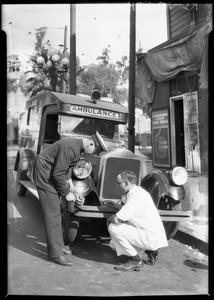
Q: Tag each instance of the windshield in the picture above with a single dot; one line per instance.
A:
(112, 133)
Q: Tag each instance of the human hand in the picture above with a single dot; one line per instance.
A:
(79, 200)
(114, 205)
(70, 197)
(111, 203)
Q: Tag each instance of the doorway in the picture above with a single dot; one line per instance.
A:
(185, 132)
(179, 133)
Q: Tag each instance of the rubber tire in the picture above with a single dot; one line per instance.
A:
(170, 227)
(21, 175)
(73, 228)
(70, 225)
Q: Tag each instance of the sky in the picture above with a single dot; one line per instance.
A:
(97, 27)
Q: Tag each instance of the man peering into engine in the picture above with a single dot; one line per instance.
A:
(51, 176)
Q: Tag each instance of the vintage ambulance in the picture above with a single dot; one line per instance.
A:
(51, 116)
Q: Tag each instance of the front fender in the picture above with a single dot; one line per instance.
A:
(25, 158)
(156, 184)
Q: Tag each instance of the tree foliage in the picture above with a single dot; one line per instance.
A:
(100, 77)
(46, 79)
(35, 81)
(123, 68)
(12, 85)
(106, 77)
(120, 95)
(105, 58)
(40, 46)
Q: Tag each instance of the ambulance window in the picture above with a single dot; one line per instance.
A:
(51, 133)
(30, 110)
(28, 115)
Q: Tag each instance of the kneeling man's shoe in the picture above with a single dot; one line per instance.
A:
(61, 260)
(130, 265)
(66, 251)
(153, 256)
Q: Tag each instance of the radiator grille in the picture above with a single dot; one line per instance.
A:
(109, 189)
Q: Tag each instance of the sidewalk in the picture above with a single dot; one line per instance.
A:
(192, 232)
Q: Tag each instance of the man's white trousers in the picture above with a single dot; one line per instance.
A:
(129, 240)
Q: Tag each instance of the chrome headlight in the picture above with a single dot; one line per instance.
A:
(82, 169)
(179, 175)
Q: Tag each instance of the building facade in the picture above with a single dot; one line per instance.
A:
(13, 67)
(174, 78)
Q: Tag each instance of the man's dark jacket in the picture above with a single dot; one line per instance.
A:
(52, 165)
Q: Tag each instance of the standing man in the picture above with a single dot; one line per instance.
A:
(136, 226)
(51, 176)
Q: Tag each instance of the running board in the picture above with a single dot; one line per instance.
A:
(88, 211)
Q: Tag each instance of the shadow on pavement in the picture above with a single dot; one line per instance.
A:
(92, 243)
(26, 231)
(25, 239)
(195, 264)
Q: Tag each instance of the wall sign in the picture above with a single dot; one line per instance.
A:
(160, 138)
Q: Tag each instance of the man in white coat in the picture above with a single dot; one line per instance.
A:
(136, 226)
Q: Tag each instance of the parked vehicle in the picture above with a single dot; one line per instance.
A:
(51, 116)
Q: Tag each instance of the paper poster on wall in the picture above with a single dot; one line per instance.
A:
(160, 138)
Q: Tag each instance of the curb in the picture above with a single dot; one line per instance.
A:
(192, 241)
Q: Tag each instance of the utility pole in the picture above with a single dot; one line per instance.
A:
(72, 49)
(65, 37)
(65, 46)
(131, 123)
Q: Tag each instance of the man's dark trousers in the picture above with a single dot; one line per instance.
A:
(50, 204)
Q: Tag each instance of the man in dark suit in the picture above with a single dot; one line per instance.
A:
(51, 174)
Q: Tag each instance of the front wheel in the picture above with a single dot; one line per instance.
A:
(73, 228)
(70, 224)
(170, 227)
(20, 175)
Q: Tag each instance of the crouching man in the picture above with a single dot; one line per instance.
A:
(137, 226)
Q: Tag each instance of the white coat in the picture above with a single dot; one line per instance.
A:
(141, 226)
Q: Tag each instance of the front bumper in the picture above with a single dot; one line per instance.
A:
(88, 211)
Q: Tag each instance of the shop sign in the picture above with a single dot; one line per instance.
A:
(160, 138)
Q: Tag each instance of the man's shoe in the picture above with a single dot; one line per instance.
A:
(61, 260)
(130, 265)
(153, 256)
(123, 259)
(66, 251)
